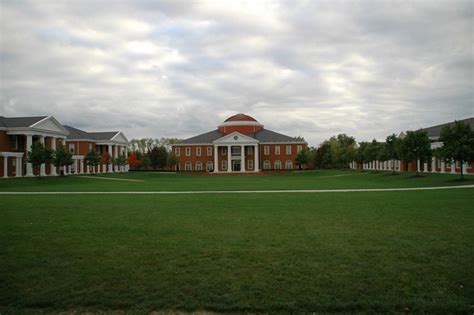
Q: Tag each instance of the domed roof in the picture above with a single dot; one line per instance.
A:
(240, 117)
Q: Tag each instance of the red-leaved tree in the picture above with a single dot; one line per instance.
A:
(132, 160)
(105, 158)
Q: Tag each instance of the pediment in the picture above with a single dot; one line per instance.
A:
(49, 124)
(120, 137)
(235, 137)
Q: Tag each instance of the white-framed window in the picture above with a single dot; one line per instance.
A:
(288, 150)
(224, 165)
(277, 150)
(288, 165)
(14, 143)
(188, 167)
(266, 165)
(250, 164)
(198, 151)
(198, 166)
(224, 150)
(188, 151)
(266, 150)
(90, 146)
(235, 151)
(71, 148)
(299, 147)
(177, 151)
(209, 166)
(277, 165)
(209, 151)
(250, 150)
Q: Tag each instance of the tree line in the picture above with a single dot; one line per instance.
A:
(338, 151)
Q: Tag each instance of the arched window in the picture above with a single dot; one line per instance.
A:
(209, 166)
(288, 165)
(277, 165)
(266, 165)
(198, 166)
(188, 166)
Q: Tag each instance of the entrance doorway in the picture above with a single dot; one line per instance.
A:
(236, 166)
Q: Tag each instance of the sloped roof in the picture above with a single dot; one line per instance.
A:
(207, 137)
(19, 122)
(435, 131)
(75, 133)
(106, 135)
(263, 136)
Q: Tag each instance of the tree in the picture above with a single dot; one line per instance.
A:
(133, 160)
(303, 157)
(360, 155)
(322, 156)
(342, 149)
(172, 160)
(121, 160)
(39, 154)
(92, 159)
(62, 157)
(416, 145)
(391, 149)
(458, 143)
(105, 159)
(145, 162)
(158, 157)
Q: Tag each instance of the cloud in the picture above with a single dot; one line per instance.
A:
(178, 68)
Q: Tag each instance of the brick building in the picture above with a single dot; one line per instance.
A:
(239, 144)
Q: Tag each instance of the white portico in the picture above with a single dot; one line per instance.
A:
(234, 159)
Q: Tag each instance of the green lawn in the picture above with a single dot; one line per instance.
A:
(338, 252)
(321, 179)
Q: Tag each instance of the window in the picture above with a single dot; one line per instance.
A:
(299, 148)
(288, 150)
(14, 143)
(188, 167)
(277, 150)
(250, 150)
(209, 166)
(277, 165)
(198, 166)
(266, 150)
(224, 165)
(188, 151)
(90, 146)
(266, 165)
(177, 151)
(224, 150)
(288, 165)
(71, 148)
(235, 151)
(209, 151)
(250, 164)
(198, 151)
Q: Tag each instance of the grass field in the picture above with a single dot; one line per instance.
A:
(338, 252)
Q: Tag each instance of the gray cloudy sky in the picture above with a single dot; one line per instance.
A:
(178, 68)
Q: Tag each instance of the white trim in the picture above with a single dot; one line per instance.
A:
(54, 120)
(123, 135)
(240, 123)
(229, 139)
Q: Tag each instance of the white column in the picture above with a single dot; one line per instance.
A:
(425, 167)
(104, 168)
(53, 167)
(242, 158)
(19, 168)
(216, 159)
(453, 167)
(229, 166)
(111, 153)
(433, 165)
(418, 167)
(126, 156)
(29, 167)
(65, 170)
(98, 168)
(115, 148)
(443, 166)
(43, 166)
(256, 162)
(5, 167)
(69, 169)
(81, 166)
(464, 168)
